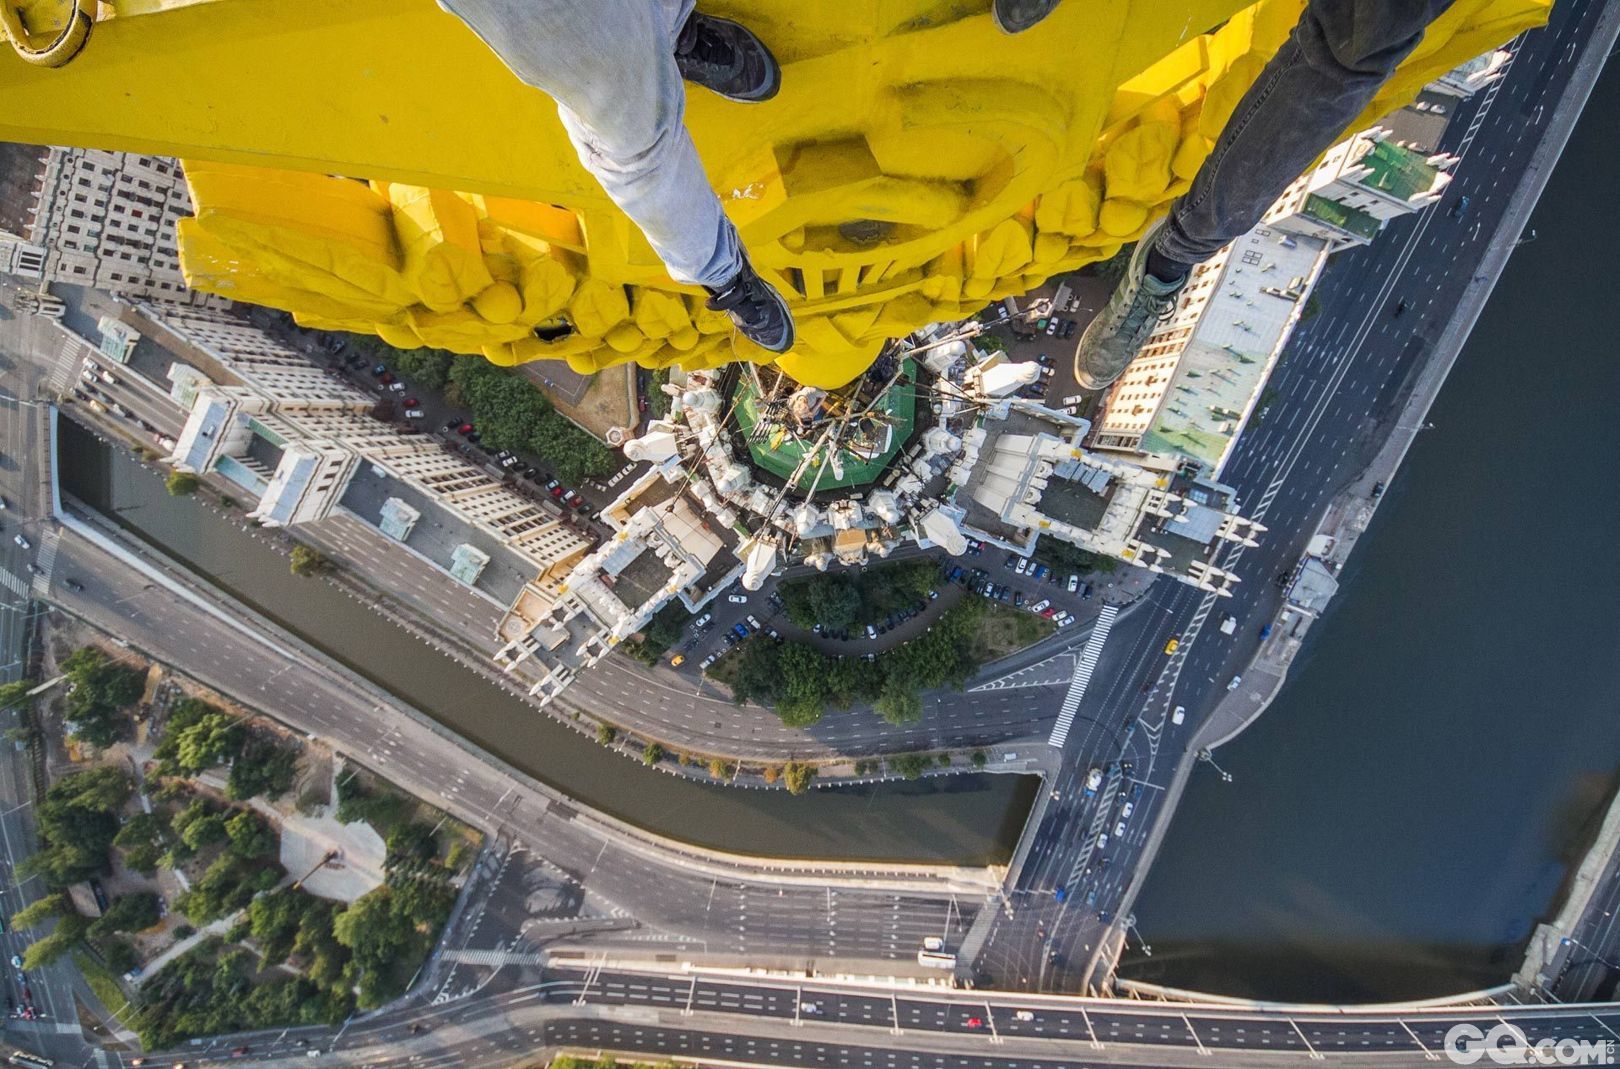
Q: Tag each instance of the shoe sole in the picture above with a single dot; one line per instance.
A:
(773, 84)
(1081, 379)
(1014, 31)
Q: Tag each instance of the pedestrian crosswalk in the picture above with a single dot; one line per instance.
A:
(68, 357)
(1084, 666)
(47, 560)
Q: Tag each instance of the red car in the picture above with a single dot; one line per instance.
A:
(410, 402)
(465, 429)
(387, 378)
(555, 488)
(975, 1022)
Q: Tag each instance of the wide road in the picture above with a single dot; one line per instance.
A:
(1338, 388)
(780, 1021)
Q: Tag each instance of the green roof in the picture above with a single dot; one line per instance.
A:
(899, 404)
(1352, 221)
(1398, 171)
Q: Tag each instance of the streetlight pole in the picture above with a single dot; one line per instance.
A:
(1130, 926)
(1209, 758)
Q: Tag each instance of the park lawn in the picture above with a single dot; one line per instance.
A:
(1004, 629)
(104, 985)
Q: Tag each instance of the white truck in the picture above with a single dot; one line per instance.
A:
(1228, 624)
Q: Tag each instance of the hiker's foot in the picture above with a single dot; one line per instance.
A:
(726, 57)
(1140, 303)
(756, 308)
(1016, 16)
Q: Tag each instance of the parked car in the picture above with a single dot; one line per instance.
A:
(1040, 606)
(753, 622)
(1022, 566)
(396, 387)
(23, 542)
(1237, 681)
(555, 488)
(386, 378)
(737, 599)
(465, 429)
(1074, 583)
(411, 402)
(703, 621)
(739, 630)
(414, 413)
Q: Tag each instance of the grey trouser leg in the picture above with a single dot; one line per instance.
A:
(610, 65)
(1335, 61)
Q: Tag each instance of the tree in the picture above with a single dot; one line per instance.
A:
(119, 955)
(68, 934)
(910, 765)
(181, 483)
(209, 741)
(133, 912)
(274, 919)
(380, 937)
(198, 825)
(719, 769)
(143, 839)
(426, 368)
(41, 910)
(802, 697)
(979, 759)
(101, 688)
(834, 601)
(262, 768)
(899, 703)
(12, 693)
(652, 753)
(251, 836)
(757, 674)
(606, 733)
(77, 822)
(798, 776)
(308, 561)
(412, 841)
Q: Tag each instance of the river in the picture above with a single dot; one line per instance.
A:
(1410, 805)
(969, 819)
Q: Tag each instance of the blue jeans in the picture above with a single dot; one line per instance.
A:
(610, 66)
(1332, 65)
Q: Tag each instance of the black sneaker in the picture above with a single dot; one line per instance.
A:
(1016, 16)
(722, 55)
(757, 309)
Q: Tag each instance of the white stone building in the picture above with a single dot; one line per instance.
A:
(95, 218)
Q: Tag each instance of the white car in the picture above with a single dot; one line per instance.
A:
(1041, 606)
(23, 542)
(1119, 829)
(737, 599)
(1237, 681)
(1074, 398)
(704, 667)
(753, 623)
(1094, 779)
(871, 632)
(108, 378)
(413, 413)
(2, 504)
(1179, 715)
(1126, 810)
(397, 387)
(1022, 566)
(702, 621)
(1066, 621)
(1074, 583)
(1102, 841)
(1024, 1015)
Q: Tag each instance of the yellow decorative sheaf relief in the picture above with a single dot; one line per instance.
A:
(916, 166)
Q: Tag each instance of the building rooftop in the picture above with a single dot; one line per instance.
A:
(1218, 380)
(20, 167)
(1400, 172)
(1352, 221)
